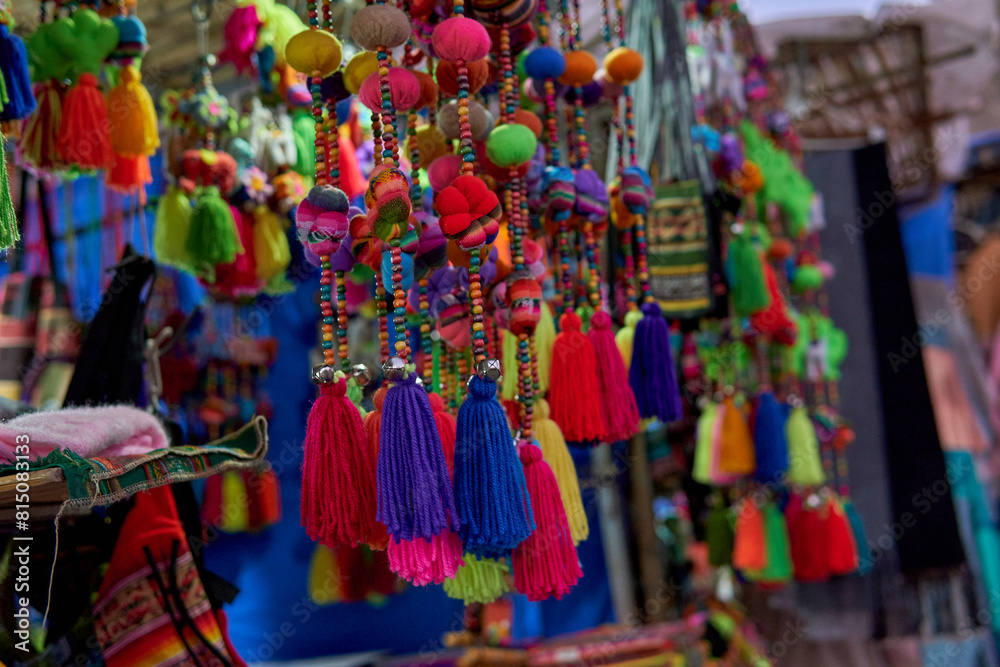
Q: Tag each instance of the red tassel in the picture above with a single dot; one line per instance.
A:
(447, 429)
(352, 570)
(574, 397)
(749, 545)
(130, 175)
(807, 537)
(545, 564)
(379, 538)
(621, 414)
(842, 550)
(263, 498)
(773, 320)
(83, 131)
(338, 472)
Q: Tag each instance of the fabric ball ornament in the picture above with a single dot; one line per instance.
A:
(358, 68)
(461, 257)
(591, 195)
(528, 120)
(623, 65)
(469, 212)
(447, 76)
(406, 261)
(637, 189)
(431, 143)
(380, 25)
(560, 186)
(428, 96)
(321, 219)
(460, 38)
(333, 87)
(545, 63)
(443, 171)
(388, 202)
(480, 120)
(581, 67)
(314, 52)
(131, 38)
(511, 145)
(590, 94)
(431, 250)
(512, 12)
(403, 86)
(529, 91)
(610, 88)
(523, 298)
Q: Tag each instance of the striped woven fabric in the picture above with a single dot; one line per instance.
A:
(678, 250)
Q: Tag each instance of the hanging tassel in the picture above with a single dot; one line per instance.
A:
(338, 472)
(379, 538)
(747, 287)
(173, 224)
(490, 491)
(749, 547)
(324, 576)
(736, 455)
(14, 68)
(621, 415)
(545, 340)
(235, 513)
(447, 428)
(383, 581)
(779, 560)
(511, 366)
(83, 129)
(557, 455)
(129, 175)
(807, 537)
(719, 535)
(770, 440)
(574, 396)
(773, 321)
(478, 580)
(805, 467)
(264, 498)
(545, 564)
(212, 238)
(425, 562)
(652, 374)
(351, 573)
(841, 549)
(860, 538)
(41, 130)
(9, 234)
(625, 338)
(271, 251)
(414, 491)
(702, 466)
(132, 116)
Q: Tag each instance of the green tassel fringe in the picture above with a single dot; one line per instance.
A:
(477, 580)
(9, 234)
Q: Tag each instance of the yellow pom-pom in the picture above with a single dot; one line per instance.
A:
(314, 52)
(431, 143)
(623, 65)
(358, 68)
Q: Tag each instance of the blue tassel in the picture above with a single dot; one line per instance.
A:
(415, 497)
(14, 65)
(770, 441)
(490, 492)
(858, 528)
(653, 376)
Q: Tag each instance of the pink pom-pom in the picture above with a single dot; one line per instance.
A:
(403, 85)
(461, 38)
(443, 171)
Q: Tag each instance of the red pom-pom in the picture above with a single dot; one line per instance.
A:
(404, 86)
(461, 38)
(468, 212)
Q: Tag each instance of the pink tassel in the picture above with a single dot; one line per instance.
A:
(621, 414)
(338, 472)
(447, 429)
(426, 562)
(545, 564)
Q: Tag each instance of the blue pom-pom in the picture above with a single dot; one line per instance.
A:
(545, 63)
(490, 492)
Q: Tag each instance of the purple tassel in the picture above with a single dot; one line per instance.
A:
(415, 498)
(653, 376)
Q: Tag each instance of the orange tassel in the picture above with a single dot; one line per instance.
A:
(749, 551)
(736, 454)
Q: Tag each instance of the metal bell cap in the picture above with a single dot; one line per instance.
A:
(489, 369)
(394, 368)
(324, 374)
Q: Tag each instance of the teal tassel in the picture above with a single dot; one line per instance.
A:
(858, 528)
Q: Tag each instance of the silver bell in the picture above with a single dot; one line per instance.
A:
(394, 368)
(361, 373)
(489, 369)
(323, 374)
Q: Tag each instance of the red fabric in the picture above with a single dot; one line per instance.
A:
(468, 212)
(574, 395)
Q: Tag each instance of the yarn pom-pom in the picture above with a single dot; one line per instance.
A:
(404, 86)
(443, 171)
(511, 145)
(581, 67)
(460, 38)
(314, 52)
(623, 65)
(358, 68)
(529, 120)
(545, 63)
(380, 25)
(477, 72)
(480, 120)
(469, 212)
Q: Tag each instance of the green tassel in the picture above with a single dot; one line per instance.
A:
(9, 234)
(779, 558)
(173, 224)
(747, 286)
(805, 467)
(702, 472)
(719, 533)
(304, 131)
(477, 580)
(356, 394)
(511, 367)
(212, 239)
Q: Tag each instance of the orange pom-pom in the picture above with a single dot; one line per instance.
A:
(581, 67)
(780, 250)
(623, 65)
(460, 257)
(447, 76)
(530, 121)
(428, 91)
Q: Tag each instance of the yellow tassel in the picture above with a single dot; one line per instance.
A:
(626, 335)
(324, 576)
(270, 245)
(545, 339)
(736, 454)
(556, 454)
(173, 220)
(511, 366)
(235, 513)
(132, 116)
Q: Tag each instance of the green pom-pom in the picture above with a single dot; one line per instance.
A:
(807, 277)
(746, 277)
(510, 145)
(478, 580)
(212, 239)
